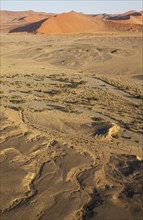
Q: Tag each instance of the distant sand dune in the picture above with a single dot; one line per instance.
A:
(131, 17)
(70, 22)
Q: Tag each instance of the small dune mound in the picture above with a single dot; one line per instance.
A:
(105, 129)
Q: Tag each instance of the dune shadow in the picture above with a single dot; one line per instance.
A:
(29, 27)
(126, 17)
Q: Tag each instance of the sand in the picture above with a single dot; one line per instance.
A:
(71, 127)
(70, 22)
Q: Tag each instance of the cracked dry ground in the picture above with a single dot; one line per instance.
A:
(71, 143)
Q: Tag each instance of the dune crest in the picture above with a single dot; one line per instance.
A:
(70, 22)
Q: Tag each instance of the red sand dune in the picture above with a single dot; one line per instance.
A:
(71, 22)
(131, 17)
(22, 16)
(11, 16)
(74, 22)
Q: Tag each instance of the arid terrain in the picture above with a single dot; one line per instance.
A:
(71, 126)
(70, 22)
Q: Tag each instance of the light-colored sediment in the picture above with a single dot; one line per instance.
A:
(71, 128)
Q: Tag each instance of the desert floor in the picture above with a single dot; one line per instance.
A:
(71, 127)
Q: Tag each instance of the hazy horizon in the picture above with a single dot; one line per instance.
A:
(83, 6)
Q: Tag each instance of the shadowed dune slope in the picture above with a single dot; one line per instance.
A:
(32, 27)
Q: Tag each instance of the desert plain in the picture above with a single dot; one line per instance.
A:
(71, 126)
